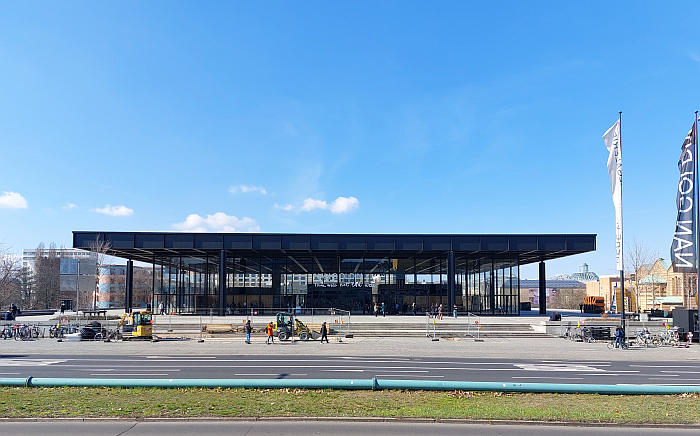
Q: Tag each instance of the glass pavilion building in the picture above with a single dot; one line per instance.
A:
(195, 272)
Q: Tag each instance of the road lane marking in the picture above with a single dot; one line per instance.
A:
(30, 362)
(401, 375)
(664, 366)
(179, 357)
(132, 375)
(559, 367)
(270, 375)
(558, 378)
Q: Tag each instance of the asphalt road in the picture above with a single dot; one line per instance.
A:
(279, 366)
(324, 427)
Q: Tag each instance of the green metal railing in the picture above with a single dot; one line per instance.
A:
(356, 384)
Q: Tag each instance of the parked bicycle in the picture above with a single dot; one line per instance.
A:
(6, 332)
(108, 335)
(21, 332)
(643, 338)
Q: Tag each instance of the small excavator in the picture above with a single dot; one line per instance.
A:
(283, 328)
(137, 325)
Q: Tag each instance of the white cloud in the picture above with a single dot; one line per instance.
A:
(12, 200)
(339, 205)
(69, 206)
(219, 222)
(287, 207)
(114, 210)
(246, 189)
(311, 204)
(344, 204)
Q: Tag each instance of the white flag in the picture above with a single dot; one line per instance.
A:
(612, 142)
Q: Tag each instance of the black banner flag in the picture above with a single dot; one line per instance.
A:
(683, 250)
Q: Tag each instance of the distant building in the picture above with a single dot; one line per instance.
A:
(29, 255)
(663, 286)
(76, 272)
(562, 292)
(583, 275)
(606, 286)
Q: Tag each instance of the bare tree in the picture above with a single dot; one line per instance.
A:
(102, 250)
(638, 255)
(47, 269)
(9, 277)
(143, 282)
(26, 288)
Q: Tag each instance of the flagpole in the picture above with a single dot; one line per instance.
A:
(622, 249)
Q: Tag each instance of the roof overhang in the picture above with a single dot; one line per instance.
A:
(527, 248)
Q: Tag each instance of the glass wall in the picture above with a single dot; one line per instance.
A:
(191, 284)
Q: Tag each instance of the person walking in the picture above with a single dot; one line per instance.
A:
(619, 333)
(248, 331)
(63, 308)
(440, 311)
(413, 308)
(324, 333)
(270, 338)
(376, 310)
(454, 311)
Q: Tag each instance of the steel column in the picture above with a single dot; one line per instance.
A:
(450, 281)
(222, 282)
(129, 294)
(543, 290)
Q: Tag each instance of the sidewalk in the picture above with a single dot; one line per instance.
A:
(532, 318)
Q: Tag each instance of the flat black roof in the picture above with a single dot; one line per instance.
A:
(528, 248)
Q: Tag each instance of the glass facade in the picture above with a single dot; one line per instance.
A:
(191, 284)
(228, 273)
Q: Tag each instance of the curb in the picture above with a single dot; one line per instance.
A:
(446, 421)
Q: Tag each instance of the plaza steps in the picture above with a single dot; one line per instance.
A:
(387, 329)
(444, 330)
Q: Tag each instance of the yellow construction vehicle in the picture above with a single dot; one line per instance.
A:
(283, 328)
(137, 325)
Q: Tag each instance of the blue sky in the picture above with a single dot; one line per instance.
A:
(344, 117)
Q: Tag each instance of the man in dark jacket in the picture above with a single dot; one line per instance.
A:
(324, 333)
(248, 331)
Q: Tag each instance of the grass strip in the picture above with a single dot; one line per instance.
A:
(20, 402)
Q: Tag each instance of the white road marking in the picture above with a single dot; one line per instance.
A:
(549, 378)
(401, 375)
(180, 357)
(558, 367)
(664, 366)
(131, 375)
(29, 362)
(276, 374)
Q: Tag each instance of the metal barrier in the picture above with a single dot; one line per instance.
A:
(430, 328)
(477, 325)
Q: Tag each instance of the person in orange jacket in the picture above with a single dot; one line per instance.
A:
(270, 338)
